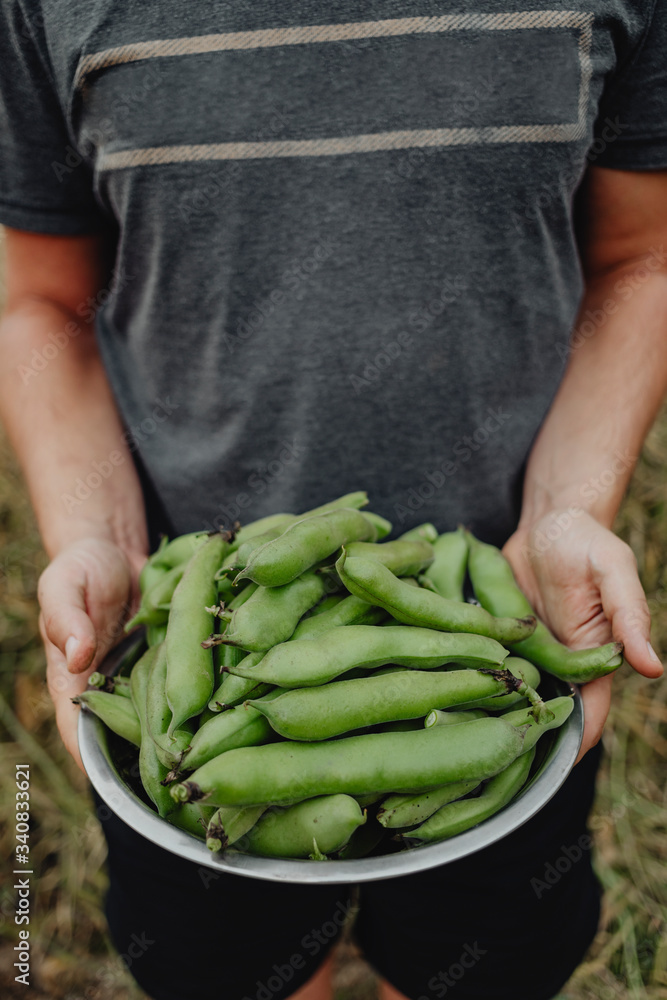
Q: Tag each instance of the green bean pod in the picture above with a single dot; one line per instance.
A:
(168, 747)
(242, 597)
(448, 569)
(399, 811)
(155, 634)
(438, 717)
(524, 669)
(462, 815)
(235, 601)
(233, 690)
(318, 713)
(326, 604)
(248, 545)
(307, 662)
(283, 773)
(115, 711)
(349, 611)
(560, 710)
(151, 771)
(155, 603)
(111, 685)
(180, 550)
(189, 666)
(239, 727)
(497, 591)
(415, 606)
(272, 613)
(363, 842)
(352, 501)
(151, 571)
(305, 543)
(404, 557)
(258, 527)
(328, 820)
(369, 800)
(427, 531)
(229, 823)
(192, 817)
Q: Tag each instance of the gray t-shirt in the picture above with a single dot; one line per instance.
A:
(345, 232)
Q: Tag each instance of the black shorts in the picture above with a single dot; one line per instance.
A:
(515, 918)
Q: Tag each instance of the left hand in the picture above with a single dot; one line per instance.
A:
(582, 581)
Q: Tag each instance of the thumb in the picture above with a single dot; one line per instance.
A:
(64, 619)
(625, 607)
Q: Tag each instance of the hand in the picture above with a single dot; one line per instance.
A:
(85, 594)
(582, 581)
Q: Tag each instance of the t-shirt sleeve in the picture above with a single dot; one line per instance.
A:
(632, 120)
(45, 186)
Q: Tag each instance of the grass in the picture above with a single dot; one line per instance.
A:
(72, 957)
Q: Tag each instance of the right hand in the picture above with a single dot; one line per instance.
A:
(85, 594)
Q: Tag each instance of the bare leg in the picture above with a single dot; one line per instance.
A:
(318, 986)
(387, 992)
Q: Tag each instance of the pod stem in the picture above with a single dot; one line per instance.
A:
(317, 853)
(214, 844)
(229, 534)
(216, 838)
(187, 791)
(214, 639)
(101, 682)
(218, 610)
(176, 774)
(540, 712)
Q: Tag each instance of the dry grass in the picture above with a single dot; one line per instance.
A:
(72, 958)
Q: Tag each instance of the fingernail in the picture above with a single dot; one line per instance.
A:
(71, 647)
(652, 654)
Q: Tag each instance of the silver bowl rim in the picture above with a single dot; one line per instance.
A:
(136, 814)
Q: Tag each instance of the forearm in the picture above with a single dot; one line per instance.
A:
(613, 387)
(62, 421)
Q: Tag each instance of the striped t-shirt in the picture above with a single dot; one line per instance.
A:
(344, 233)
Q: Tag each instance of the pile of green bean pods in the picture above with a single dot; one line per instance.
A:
(308, 689)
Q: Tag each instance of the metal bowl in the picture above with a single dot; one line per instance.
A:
(557, 753)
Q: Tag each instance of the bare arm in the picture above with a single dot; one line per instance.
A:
(582, 578)
(62, 421)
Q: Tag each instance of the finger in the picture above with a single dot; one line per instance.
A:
(597, 701)
(625, 606)
(63, 686)
(64, 618)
